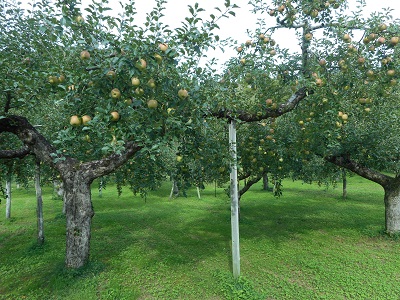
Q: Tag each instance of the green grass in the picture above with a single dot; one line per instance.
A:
(308, 244)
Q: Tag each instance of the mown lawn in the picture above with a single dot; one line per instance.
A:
(308, 244)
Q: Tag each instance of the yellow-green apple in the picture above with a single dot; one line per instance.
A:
(152, 104)
(115, 93)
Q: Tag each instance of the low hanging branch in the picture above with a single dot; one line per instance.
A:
(345, 162)
(19, 153)
(289, 105)
(38, 145)
(249, 184)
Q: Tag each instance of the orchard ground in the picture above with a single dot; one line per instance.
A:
(308, 244)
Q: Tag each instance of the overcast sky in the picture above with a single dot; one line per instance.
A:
(234, 27)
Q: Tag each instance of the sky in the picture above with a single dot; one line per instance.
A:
(234, 27)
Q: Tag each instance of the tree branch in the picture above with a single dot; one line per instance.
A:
(109, 164)
(249, 184)
(345, 162)
(289, 105)
(20, 153)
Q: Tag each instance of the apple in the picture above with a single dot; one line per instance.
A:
(319, 82)
(345, 117)
(322, 62)
(115, 93)
(266, 39)
(141, 64)
(111, 74)
(308, 36)
(347, 38)
(391, 72)
(182, 93)
(170, 110)
(366, 40)
(61, 78)
(367, 109)
(394, 40)
(248, 43)
(340, 114)
(261, 36)
(79, 19)
(393, 82)
(314, 13)
(75, 121)
(53, 80)
(239, 49)
(361, 60)
(135, 81)
(114, 116)
(381, 40)
(85, 55)
(242, 61)
(85, 119)
(152, 104)
(362, 100)
(272, 52)
(268, 102)
(221, 169)
(179, 158)
(301, 122)
(281, 8)
(163, 47)
(128, 101)
(370, 73)
(272, 12)
(158, 58)
(371, 48)
(382, 27)
(151, 83)
(139, 91)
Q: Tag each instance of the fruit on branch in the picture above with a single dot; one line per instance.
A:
(308, 36)
(158, 58)
(75, 120)
(111, 74)
(114, 116)
(135, 81)
(141, 64)
(394, 40)
(151, 83)
(79, 19)
(86, 119)
(139, 91)
(85, 55)
(346, 38)
(182, 94)
(163, 47)
(152, 104)
(239, 49)
(115, 93)
(53, 80)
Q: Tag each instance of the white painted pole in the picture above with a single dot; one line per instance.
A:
(234, 202)
(8, 197)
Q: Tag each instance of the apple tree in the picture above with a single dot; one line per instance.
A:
(351, 120)
(111, 84)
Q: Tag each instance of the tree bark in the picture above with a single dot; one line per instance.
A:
(39, 206)
(344, 178)
(265, 181)
(79, 213)
(392, 209)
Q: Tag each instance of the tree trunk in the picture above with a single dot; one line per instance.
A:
(392, 209)
(344, 177)
(265, 181)
(39, 207)
(79, 213)
(8, 197)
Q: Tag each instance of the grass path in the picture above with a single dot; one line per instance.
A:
(308, 244)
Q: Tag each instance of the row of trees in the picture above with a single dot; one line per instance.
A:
(95, 95)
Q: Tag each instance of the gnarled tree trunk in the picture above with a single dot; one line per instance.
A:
(79, 213)
(392, 209)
